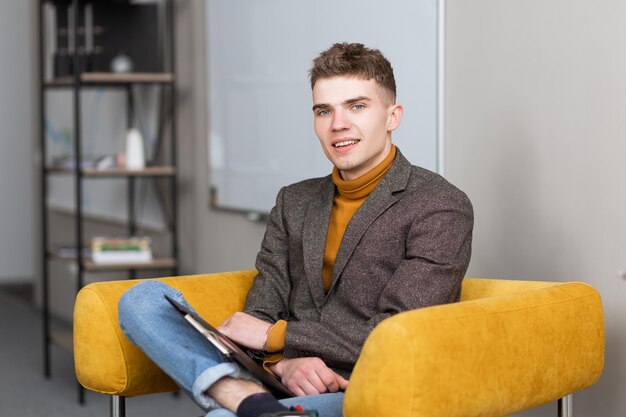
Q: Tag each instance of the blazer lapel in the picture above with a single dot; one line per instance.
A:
(378, 201)
(314, 240)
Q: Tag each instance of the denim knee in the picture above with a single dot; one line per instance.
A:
(146, 299)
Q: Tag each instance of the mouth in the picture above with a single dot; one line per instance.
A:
(345, 142)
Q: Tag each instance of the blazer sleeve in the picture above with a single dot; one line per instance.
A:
(269, 296)
(438, 249)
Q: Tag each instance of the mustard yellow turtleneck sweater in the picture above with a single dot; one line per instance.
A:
(350, 195)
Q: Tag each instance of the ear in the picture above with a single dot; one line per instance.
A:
(395, 116)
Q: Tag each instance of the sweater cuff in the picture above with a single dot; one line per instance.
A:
(271, 360)
(276, 337)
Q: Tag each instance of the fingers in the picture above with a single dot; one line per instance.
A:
(222, 329)
(342, 382)
(323, 380)
(245, 330)
(305, 387)
(224, 326)
(308, 376)
(310, 387)
(326, 380)
(225, 322)
(329, 381)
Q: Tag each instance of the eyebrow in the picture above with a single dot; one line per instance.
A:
(348, 101)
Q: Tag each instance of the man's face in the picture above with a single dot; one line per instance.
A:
(353, 124)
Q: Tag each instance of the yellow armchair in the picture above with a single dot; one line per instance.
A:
(507, 346)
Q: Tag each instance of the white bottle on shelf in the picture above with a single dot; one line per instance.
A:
(135, 158)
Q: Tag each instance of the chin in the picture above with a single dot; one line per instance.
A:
(343, 165)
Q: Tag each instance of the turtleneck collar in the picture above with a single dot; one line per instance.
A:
(361, 187)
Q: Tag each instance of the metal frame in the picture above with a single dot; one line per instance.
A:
(78, 175)
(117, 403)
(441, 85)
(118, 406)
(43, 183)
(566, 406)
(170, 29)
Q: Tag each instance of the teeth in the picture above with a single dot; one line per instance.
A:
(345, 143)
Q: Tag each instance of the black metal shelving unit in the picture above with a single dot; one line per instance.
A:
(78, 81)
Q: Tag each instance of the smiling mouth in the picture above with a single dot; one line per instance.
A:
(344, 143)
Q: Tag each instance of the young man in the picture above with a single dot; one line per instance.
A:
(340, 254)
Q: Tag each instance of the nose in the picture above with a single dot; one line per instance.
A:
(340, 121)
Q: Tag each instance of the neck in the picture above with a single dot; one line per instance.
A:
(361, 187)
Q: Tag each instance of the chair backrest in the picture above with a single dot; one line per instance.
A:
(475, 288)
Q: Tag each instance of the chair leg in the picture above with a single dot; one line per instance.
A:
(118, 406)
(566, 406)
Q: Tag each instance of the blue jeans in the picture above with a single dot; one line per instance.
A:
(156, 327)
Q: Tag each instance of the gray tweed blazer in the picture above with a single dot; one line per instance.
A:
(408, 246)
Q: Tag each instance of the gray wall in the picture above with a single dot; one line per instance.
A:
(536, 135)
(216, 241)
(16, 119)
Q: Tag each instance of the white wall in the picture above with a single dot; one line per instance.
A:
(18, 126)
(536, 135)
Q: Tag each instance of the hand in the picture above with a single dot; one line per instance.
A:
(245, 330)
(308, 376)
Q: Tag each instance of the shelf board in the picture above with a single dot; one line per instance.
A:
(107, 220)
(156, 171)
(164, 263)
(63, 339)
(91, 266)
(97, 78)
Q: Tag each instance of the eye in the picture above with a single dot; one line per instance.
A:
(358, 106)
(323, 112)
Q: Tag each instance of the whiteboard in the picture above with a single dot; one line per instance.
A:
(260, 123)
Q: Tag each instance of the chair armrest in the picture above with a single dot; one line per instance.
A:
(107, 362)
(486, 357)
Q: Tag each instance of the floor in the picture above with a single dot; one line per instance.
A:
(24, 391)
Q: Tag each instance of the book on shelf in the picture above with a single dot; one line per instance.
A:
(107, 250)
